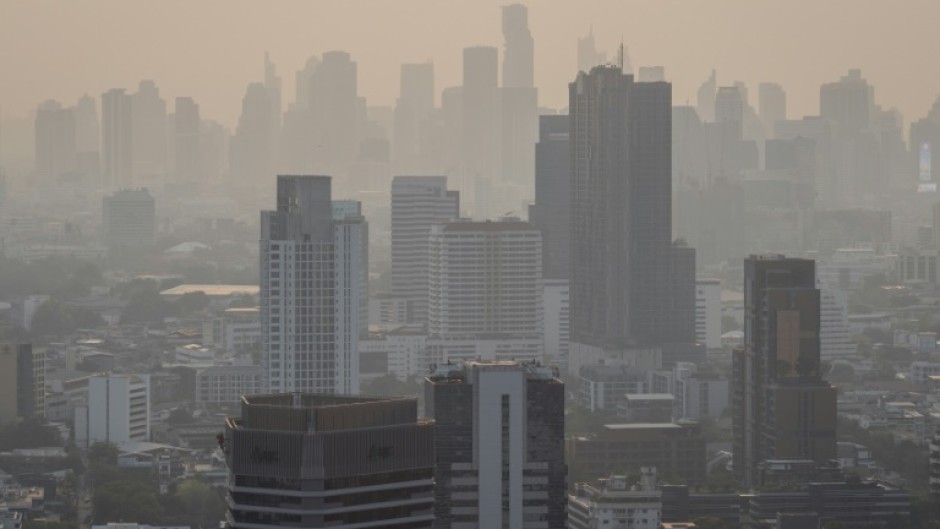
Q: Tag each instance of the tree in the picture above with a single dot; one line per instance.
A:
(28, 433)
(179, 416)
(126, 501)
(101, 452)
(192, 302)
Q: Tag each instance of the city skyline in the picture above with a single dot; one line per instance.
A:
(751, 53)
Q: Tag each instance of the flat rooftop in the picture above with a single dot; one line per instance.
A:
(212, 290)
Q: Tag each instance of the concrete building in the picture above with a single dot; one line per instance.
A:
(552, 209)
(708, 312)
(351, 228)
(631, 286)
(22, 382)
(401, 352)
(518, 98)
(117, 410)
(557, 314)
(311, 281)
(499, 452)
(782, 409)
(613, 503)
(485, 278)
(934, 462)
(129, 220)
(605, 387)
(117, 139)
(418, 202)
(186, 136)
(225, 385)
(480, 127)
(55, 148)
(676, 450)
(835, 335)
(313, 460)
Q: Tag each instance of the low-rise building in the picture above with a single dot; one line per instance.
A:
(614, 503)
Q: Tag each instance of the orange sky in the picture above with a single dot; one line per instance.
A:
(211, 49)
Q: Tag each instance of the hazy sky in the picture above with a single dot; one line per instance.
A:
(211, 49)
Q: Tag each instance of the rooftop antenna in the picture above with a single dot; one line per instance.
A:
(620, 54)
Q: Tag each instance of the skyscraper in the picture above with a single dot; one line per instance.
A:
(310, 290)
(412, 114)
(705, 98)
(588, 54)
(498, 445)
(117, 139)
(631, 286)
(55, 141)
(251, 157)
(186, 138)
(772, 106)
(480, 138)
(519, 99)
(149, 133)
(782, 409)
(552, 209)
(313, 460)
(729, 110)
(418, 202)
(22, 382)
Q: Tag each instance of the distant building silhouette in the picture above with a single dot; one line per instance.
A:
(149, 136)
(772, 106)
(552, 209)
(251, 158)
(129, 220)
(55, 142)
(117, 139)
(413, 114)
(480, 137)
(186, 139)
(588, 54)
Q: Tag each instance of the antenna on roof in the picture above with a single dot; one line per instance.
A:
(620, 55)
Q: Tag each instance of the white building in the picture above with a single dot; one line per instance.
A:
(612, 503)
(835, 336)
(226, 384)
(311, 281)
(129, 218)
(557, 321)
(418, 202)
(402, 352)
(921, 371)
(485, 278)
(117, 410)
(236, 329)
(708, 312)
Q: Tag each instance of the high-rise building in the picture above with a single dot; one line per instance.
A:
(498, 445)
(848, 103)
(334, 104)
(22, 382)
(251, 157)
(117, 139)
(129, 219)
(149, 126)
(310, 290)
(351, 226)
(518, 53)
(87, 131)
(418, 202)
(55, 141)
(186, 138)
(631, 286)
(588, 54)
(925, 147)
(782, 409)
(708, 312)
(772, 106)
(519, 101)
(705, 98)
(729, 110)
(552, 209)
(412, 114)
(117, 410)
(480, 125)
(485, 278)
(313, 460)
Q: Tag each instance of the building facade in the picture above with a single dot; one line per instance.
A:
(22, 382)
(129, 219)
(117, 410)
(499, 450)
(314, 460)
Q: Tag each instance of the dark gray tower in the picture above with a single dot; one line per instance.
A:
(631, 286)
(552, 209)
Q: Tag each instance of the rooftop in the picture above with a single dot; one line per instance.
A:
(212, 290)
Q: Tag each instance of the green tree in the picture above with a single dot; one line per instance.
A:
(28, 433)
(101, 452)
(126, 501)
(179, 416)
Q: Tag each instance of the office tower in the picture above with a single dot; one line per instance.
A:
(772, 105)
(129, 220)
(835, 335)
(498, 445)
(186, 137)
(251, 159)
(480, 160)
(347, 461)
(22, 382)
(934, 461)
(557, 314)
(87, 131)
(729, 110)
(310, 291)
(412, 114)
(117, 139)
(848, 103)
(418, 202)
(351, 226)
(708, 312)
(631, 286)
(519, 103)
(705, 98)
(552, 209)
(782, 409)
(689, 151)
(518, 54)
(334, 104)
(588, 54)
(485, 278)
(117, 410)
(272, 84)
(149, 134)
(55, 141)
